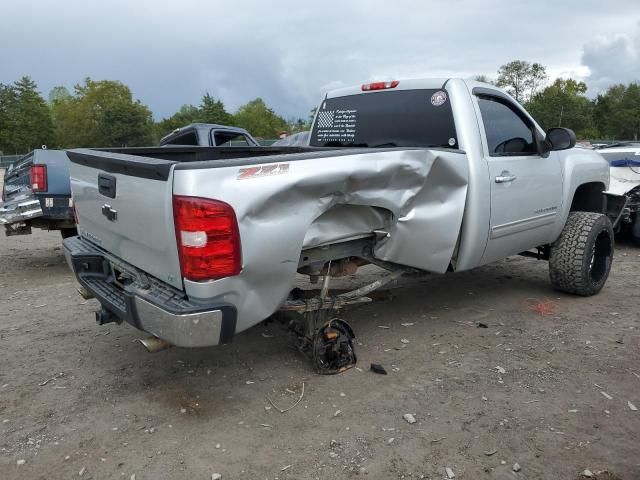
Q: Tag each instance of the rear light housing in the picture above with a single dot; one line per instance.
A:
(74, 211)
(208, 238)
(39, 178)
(367, 87)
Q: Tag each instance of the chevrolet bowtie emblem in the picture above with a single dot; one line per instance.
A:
(110, 213)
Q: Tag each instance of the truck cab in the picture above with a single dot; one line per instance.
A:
(209, 135)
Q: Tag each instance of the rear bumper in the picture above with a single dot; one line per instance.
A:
(147, 303)
(42, 211)
(56, 207)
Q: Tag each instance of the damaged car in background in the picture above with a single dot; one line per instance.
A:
(37, 194)
(624, 159)
(194, 245)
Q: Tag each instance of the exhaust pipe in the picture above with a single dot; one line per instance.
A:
(154, 344)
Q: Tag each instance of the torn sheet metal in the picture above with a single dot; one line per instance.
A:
(416, 196)
(624, 179)
(24, 206)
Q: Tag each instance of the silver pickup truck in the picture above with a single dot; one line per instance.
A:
(194, 245)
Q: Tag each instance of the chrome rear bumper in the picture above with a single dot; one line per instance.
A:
(145, 302)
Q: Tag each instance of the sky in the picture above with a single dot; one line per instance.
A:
(291, 52)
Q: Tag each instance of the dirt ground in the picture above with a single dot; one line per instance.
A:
(82, 401)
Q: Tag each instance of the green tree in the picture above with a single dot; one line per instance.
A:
(184, 116)
(213, 111)
(25, 122)
(521, 79)
(295, 125)
(259, 120)
(564, 104)
(482, 78)
(209, 111)
(101, 114)
(617, 112)
(7, 121)
(59, 93)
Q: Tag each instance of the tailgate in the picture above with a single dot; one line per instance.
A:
(124, 205)
(17, 180)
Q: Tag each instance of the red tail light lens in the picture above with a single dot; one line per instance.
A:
(39, 178)
(208, 238)
(367, 87)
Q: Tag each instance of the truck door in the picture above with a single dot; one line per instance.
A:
(526, 187)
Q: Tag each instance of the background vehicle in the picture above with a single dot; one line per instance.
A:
(194, 245)
(37, 194)
(209, 135)
(299, 139)
(624, 159)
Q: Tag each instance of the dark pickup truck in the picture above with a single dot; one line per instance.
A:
(37, 193)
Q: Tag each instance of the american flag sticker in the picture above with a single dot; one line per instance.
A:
(325, 119)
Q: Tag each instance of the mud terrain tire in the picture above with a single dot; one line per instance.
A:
(580, 260)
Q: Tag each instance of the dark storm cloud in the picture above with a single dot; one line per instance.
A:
(614, 59)
(170, 53)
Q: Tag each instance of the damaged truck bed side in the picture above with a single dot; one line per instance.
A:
(194, 245)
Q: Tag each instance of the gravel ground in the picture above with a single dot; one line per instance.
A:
(82, 401)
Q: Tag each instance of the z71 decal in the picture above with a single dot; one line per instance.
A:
(263, 171)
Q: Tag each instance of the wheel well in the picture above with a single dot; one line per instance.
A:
(588, 198)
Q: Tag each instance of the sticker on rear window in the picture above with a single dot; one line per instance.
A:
(336, 125)
(438, 98)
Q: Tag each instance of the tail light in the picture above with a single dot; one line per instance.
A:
(39, 178)
(208, 238)
(367, 87)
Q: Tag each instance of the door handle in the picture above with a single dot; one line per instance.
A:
(505, 177)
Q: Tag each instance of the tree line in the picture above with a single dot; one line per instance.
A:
(104, 113)
(611, 115)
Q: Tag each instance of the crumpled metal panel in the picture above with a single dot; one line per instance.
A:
(23, 207)
(345, 222)
(623, 179)
(418, 196)
(426, 232)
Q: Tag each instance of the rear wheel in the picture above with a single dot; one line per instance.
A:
(580, 260)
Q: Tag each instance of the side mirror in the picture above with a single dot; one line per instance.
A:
(560, 138)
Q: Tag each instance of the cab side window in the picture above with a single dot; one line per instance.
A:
(508, 134)
(189, 138)
(230, 139)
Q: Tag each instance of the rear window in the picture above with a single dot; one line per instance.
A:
(398, 118)
(189, 138)
(230, 139)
